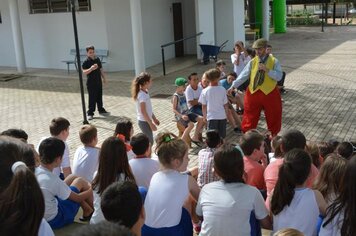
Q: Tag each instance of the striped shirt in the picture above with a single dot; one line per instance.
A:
(206, 164)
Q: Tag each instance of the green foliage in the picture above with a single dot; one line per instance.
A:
(302, 17)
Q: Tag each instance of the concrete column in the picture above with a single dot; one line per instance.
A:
(239, 20)
(17, 36)
(265, 19)
(137, 36)
(204, 13)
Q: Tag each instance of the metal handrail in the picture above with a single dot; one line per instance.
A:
(171, 43)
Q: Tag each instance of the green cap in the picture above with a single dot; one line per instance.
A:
(180, 81)
(259, 43)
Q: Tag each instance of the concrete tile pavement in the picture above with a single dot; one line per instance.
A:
(321, 84)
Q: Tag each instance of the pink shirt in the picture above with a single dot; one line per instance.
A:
(254, 171)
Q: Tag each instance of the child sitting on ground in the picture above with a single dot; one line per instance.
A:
(62, 198)
(86, 157)
(182, 114)
(122, 203)
(293, 205)
(124, 131)
(215, 104)
(206, 158)
(227, 205)
(59, 128)
(169, 189)
(142, 166)
(234, 98)
(21, 202)
(113, 167)
(345, 149)
(255, 161)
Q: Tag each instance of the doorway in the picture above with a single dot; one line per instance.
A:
(178, 28)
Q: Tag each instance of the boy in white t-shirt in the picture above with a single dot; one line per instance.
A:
(192, 94)
(62, 198)
(142, 166)
(86, 157)
(59, 128)
(214, 102)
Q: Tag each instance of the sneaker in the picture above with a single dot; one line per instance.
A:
(90, 117)
(283, 91)
(104, 113)
(237, 130)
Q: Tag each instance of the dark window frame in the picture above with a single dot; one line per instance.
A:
(56, 6)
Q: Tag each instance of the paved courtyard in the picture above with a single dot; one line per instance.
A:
(321, 97)
(321, 84)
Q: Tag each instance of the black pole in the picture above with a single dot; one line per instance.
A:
(163, 62)
(322, 17)
(72, 4)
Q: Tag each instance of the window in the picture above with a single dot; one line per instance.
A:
(51, 6)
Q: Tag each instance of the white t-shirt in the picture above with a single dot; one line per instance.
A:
(165, 198)
(143, 97)
(65, 159)
(86, 161)
(98, 215)
(334, 227)
(226, 208)
(215, 98)
(302, 213)
(191, 94)
(51, 187)
(130, 155)
(243, 60)
(45, 229)
(143, 169)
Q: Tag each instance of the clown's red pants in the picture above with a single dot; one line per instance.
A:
(255, 103)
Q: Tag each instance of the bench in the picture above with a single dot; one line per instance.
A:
(102, 54)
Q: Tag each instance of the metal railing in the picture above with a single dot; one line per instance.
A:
(171, 43)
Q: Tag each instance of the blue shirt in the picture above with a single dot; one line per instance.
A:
(225, 84)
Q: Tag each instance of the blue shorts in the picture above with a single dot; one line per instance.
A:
(184, 228)
(67, 210)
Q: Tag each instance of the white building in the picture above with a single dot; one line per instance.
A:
(132, 30)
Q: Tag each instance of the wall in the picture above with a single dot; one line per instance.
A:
(49, 37)
(157, 25)
(224, 23)
(119, 35)
(189, 26)
(7, 49)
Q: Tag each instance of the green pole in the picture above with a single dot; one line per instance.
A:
(259, 16)
(279, 16)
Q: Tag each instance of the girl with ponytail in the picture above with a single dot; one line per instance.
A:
(21, 201)
(293, 205)
(166, 211)
(147, 121)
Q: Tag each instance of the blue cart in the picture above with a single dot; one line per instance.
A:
(211, 51)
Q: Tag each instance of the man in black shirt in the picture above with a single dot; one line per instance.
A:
(93, 69)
